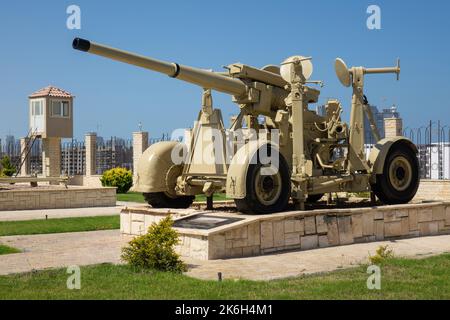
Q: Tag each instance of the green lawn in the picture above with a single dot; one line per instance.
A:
(7, 250)
(10, 228)
(401, 279)
(131, 197)
(138, 197)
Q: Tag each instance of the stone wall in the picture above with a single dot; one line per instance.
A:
(57, 198)
(434, 190)
(320, 229)
(86, 181)
(299, 230)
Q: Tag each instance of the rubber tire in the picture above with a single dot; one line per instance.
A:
(161, 200)
(313, 198)
(250, 203)
(383, 188)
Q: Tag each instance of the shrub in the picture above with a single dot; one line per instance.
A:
(8, 168)
(120, 178)
(155, 249)
(382, 254)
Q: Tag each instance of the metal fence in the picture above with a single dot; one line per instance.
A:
(432, 141)
(112, 152)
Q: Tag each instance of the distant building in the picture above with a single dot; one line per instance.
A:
(379, 121)
(321, 110)
(73, 158)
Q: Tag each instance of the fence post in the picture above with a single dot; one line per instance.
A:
(91, 153)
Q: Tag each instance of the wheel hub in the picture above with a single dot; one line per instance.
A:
(400, 173)
(268, 184)
(268, 187)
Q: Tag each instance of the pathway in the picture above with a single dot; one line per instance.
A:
(85, 248)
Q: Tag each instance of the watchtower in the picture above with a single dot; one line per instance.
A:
(51, 119)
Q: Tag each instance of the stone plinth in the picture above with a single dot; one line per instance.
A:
(298, 230)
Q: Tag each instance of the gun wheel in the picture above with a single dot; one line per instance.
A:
(400, 179)
(268, 189)
(164, 200)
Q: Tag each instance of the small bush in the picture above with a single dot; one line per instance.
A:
(155, 250)
(8, 168)
(120, 178)
(382, 254)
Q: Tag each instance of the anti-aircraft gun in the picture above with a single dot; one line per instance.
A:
(276, 148)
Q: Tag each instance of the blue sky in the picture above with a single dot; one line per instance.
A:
(113, 98)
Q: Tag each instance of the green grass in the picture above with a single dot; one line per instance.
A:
(7, 250)
(138, 197)
(131, 197)
(401, 279)
(11, 228)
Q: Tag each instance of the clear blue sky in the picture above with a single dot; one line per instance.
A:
(36, 51)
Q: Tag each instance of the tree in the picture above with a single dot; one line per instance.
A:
(8, 168)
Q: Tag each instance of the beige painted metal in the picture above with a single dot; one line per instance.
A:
(281, 96)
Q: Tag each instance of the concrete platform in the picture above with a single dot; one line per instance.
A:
(210, 235)
(23, 197)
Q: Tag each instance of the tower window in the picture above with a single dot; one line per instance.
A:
(60, 109)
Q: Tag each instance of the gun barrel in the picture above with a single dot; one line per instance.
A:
(203, 78)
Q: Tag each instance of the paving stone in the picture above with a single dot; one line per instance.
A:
(447, 216)
(289, 226)
(345, 230)
(266, 235)
(278, 233)
(240, 233)
(401, 213)
(357, 225)
(428, 228)
(413, 219)
(310, 225)
(291, 239)
(378, 215)
(393, 229)
(234, 253)
(438, 213)
(216, 246)
(240, 243)
(309, 242)
(405, 226)
(379, 230)
(254, 234)
(442, 227)
(323, 242)
(333, 231)
(299, 226)
(390, 216)
(251, 251)
(321, 224)
(425, 215)
(368, 224)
